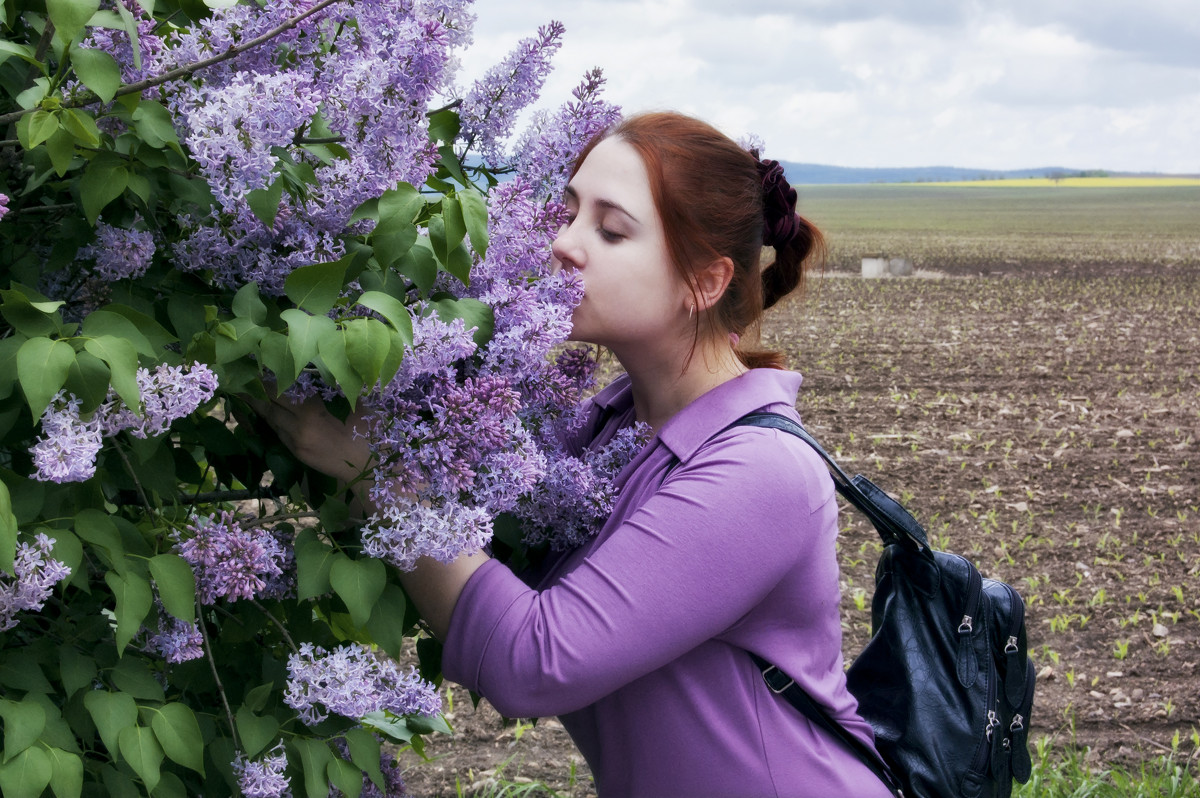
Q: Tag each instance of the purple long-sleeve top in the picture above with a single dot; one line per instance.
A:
(720, 542)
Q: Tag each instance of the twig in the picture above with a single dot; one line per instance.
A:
(212, 663)
(186, 69)
(282, 630)
(231, 495)
(133, 475)
(314, 140)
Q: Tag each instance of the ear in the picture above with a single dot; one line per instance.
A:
(711, 282)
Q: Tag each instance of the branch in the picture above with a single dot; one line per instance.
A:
(315, 140)
(282, 629)
(185, 70)
(231, 495)
(212, 663)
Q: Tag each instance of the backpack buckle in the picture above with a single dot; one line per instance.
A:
(777, 680)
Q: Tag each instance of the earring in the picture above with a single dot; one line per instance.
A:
(691, 311)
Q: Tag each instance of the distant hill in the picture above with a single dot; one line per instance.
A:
(811, 173)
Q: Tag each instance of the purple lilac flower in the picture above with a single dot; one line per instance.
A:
(577, 496)
(352, 681)
(3, 205)
(168, 393)
(263, 777)
(34, 574)
(231, 561)
(116, 43)
(119, 253)
(490, 108)
(68, 446)
(176, 641)
(544, 153)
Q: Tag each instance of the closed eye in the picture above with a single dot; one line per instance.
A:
(609, 235)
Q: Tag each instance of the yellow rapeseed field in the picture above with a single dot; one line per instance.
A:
(1075, 182)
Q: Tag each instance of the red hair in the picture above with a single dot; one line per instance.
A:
(709, 195)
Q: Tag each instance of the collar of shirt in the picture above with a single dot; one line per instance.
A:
(712, 412)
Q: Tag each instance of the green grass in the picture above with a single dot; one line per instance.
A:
(1068, 773)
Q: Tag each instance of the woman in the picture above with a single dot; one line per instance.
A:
(721, 540)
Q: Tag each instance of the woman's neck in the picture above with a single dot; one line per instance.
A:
(660, 389)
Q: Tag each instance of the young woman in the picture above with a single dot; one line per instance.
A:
(722, 539)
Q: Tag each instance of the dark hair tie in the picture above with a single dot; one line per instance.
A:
(780, 222)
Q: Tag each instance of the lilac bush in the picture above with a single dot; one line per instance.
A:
(284, 200)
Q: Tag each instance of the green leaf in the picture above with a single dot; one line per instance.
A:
(97, 528)
(256, 699)
(447, 231)
(133, 676)
(82, 126)
(386, 626)
(67, 769)
(42, 125)
(69, 551)
(102, 182)
(88, 379)
(134, 601)
(97, 70)
(359, 583)
(61, 149)
(179, 735)
(247, 304)
(176, 585)
(122, 360)
(314, 560)
(153, 123)
(391, 309)
(364, 752)
(25, 316)
(332, 349)
(143, 753)
(475, 216)
(397, 209)
(76, 670)
(275, 355)
(444, 125)
(449, 161)
(345, 777)
(42, 367)
(25, 775)
(23, 724)
(316, 287)
(8, 530)
(255, 731)
(148, 329)
(112, 713)
(473, 313)
(264, 202)
(315, 757)
(367, 345)
(419, 265)
(304, 333)
(70, 16)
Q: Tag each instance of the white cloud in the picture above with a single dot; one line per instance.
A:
(1011, 83)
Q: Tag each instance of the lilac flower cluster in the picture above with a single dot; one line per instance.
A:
(263, 777)
(3, 205)
(119, 253)
(234, 562)
(176, 641)
(577, 494)
(352, 681)
(35, 573)
(116, 42)
(69, 445)
(489, 109)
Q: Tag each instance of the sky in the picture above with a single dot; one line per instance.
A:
(1003, 84)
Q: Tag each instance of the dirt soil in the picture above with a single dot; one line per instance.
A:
(1041, 422)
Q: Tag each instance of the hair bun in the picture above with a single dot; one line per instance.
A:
(780, 222)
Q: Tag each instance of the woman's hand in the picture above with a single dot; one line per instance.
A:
(318, 438)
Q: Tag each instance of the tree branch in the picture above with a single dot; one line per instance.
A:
(186, 69)
(212, 663)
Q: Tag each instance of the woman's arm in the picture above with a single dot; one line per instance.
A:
(326, 444)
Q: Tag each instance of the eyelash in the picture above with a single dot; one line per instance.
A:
(607, 235)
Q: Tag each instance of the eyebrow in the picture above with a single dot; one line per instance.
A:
(603, 203)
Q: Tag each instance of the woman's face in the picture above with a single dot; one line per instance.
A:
(614, 240)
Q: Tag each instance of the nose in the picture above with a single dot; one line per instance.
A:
(564, 250)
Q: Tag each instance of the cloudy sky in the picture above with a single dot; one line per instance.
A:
(1003, 84)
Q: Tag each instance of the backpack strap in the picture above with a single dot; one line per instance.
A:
(893, 523)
